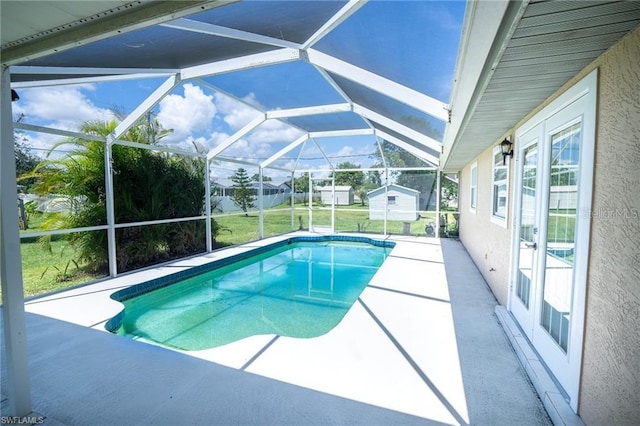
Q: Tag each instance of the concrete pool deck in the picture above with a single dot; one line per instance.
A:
(421, 345)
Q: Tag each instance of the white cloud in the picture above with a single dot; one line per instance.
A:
(59, 107)
(274, 131)
(188, 114)
(235, 113)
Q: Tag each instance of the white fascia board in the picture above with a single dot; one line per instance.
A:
(245, 62)
(314, 110)
(397, 91)
(185, 24)
(428, 158)
(59, 132)
(341, 133)
(487, 29)
(82, 80)
(164, 89)
(302, 139)
(397, 127)
(345, 12)
(236, 136)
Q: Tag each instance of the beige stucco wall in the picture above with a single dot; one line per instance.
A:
(610, 381)
(610, 389)
(487, 242)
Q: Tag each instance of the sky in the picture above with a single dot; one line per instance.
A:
(414, 43)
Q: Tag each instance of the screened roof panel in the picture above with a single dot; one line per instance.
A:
(290, 85)
(402, 41)
(294, 21)
(257, 52)
(406, 140)
(327, 122)
(152, 47)
(391, 108)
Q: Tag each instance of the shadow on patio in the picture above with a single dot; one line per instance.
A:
(421, 346)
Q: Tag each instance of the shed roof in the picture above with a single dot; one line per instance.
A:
(400, 188)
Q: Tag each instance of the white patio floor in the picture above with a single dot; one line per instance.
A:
(422, 345)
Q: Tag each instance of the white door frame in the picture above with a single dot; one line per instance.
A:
(584, 95)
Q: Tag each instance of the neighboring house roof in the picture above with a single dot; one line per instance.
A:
(228, 183)
(338, 188)
(400, 188)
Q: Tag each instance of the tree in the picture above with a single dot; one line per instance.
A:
(353, 179)
(256, 178)
(147, 186)
(242, 195)
(302, 184)
(26, 161)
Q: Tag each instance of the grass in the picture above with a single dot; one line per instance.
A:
(56, 267)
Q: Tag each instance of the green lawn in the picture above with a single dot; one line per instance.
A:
(51, 268)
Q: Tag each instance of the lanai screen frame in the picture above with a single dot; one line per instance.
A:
(19, 400)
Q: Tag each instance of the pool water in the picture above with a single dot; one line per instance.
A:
(302, 289)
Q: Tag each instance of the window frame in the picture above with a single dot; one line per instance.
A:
(473, 187)
(495, 159)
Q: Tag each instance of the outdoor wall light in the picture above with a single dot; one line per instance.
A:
(14, 96)
(506, 149)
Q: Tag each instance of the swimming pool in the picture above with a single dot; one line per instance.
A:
(300, 287)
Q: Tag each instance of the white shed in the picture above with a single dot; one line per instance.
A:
(344, 195)
(402, 203)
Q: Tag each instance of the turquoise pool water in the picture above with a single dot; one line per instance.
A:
(298, 289)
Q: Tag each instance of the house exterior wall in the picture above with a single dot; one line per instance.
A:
(487, 242)
(611, 353)
(406, 207)
(343, 197)
(610, 388)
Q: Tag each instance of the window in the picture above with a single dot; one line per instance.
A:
(474, 187)
(391, 200)
(499, 188)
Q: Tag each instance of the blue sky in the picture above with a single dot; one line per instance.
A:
(413, 43)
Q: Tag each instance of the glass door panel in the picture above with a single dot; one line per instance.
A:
(528, 227)
(561, 226)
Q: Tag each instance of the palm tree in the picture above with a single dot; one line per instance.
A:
(147, 186)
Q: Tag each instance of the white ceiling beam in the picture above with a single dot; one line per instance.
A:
(36, 70)
(314, 110)
(159, 148)
(245, 62)
(82, 80)
(237, 161)
(407, 96)
(397, 127)
(236, 136)
(345, 12)
(185, 24)
(302, 139)
(59, 132)
(341, 133)
(427, 158)
(164, 89)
